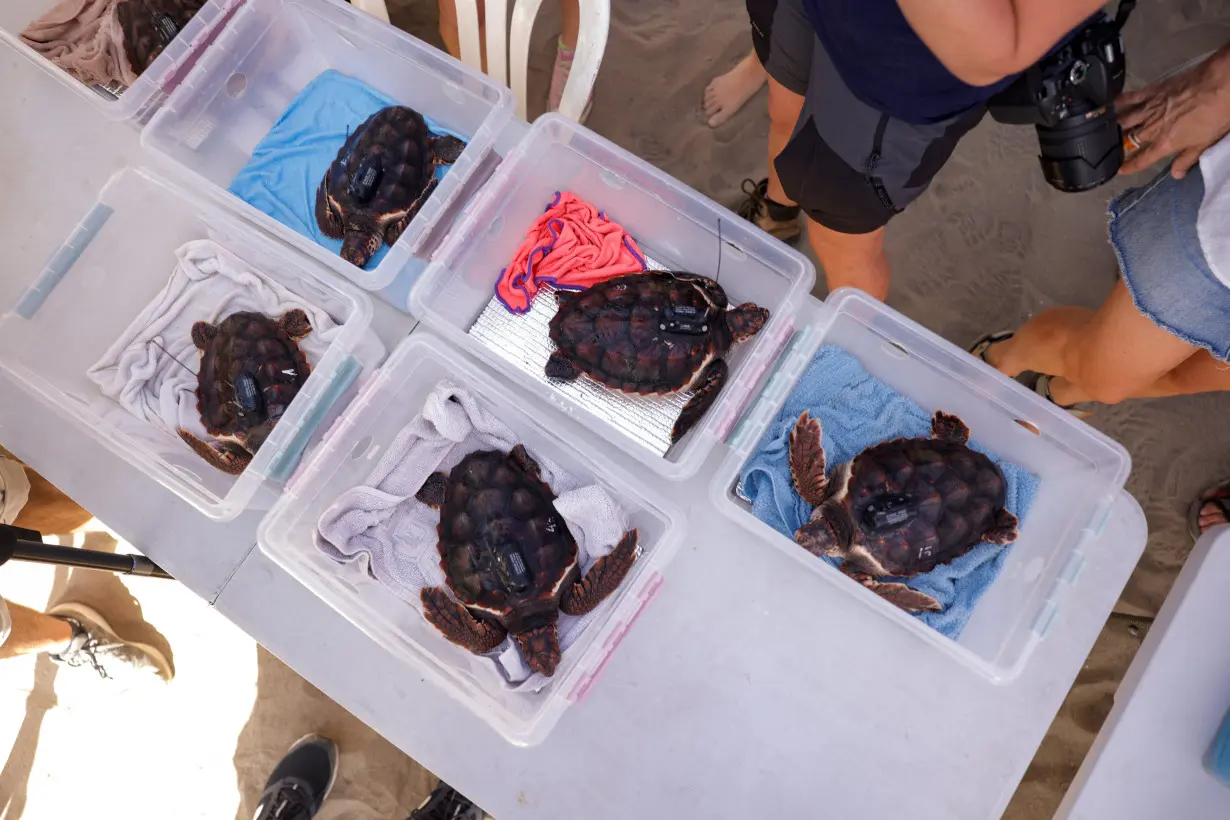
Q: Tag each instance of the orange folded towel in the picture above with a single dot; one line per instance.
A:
(572, 246)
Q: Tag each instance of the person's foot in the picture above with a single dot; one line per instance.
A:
(97, 648)
(1040, 383)
(559, 78)
(777, 220)
(300, 782)
(446, 803)
(1210, 509)
(726, 94)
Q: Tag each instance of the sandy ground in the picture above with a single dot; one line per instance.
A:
(987, 247)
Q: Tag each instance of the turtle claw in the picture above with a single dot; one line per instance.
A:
(705, 392)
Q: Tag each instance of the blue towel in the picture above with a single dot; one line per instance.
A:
(288, 164)
(856, 411)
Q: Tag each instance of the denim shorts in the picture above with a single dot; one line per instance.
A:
(1153, 231)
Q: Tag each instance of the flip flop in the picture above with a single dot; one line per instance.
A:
(1219, 496)
(1040, 383)
(986, 342)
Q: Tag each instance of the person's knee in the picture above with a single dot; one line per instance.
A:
(851, 260)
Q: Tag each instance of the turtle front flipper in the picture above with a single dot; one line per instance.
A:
(433, 491)
(807, 462)
(228, 457)
(947, 427)
(457, 624)
(327, 217)
(603, 578)
(705, 392)
(911, 600)
(445, 149)
(540, 648)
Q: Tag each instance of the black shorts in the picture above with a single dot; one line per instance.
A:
(849, 166)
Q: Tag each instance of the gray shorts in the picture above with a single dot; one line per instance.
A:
(849, 166)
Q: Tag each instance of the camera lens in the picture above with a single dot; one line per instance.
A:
(1082, 151)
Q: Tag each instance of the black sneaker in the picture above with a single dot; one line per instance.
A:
(775, 219)
(446, 803)
(300, 782)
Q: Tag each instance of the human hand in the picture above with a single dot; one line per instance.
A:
(1183, 114)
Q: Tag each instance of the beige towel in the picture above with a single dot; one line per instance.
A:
(83, 37)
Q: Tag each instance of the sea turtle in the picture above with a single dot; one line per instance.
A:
(384, 172)
(651, 333)
(149, 26)
(509, 558)
(251, 370)
(900, 508)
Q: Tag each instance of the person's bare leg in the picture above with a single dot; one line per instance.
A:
(1105, 356)
(784, 109)
(34, 632)
(851, 260)
(570, 15)
(726, 94)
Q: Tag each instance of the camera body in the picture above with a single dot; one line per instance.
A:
(1068, 96)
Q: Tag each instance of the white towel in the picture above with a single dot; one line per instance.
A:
(383, 527)
(142, 370)
(1213, 218)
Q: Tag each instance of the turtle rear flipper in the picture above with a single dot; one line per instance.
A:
(603, 578)
(1006, 529)
(947, 427)
(446, 149)
(457, 624)
(395, 229)
(226, 456)
(707, 386)
(540, 648)
(561, 367)
(327, 217)
(433, 491)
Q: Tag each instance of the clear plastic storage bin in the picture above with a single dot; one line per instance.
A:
(1080, 470)
(114, 264)
(267, 54)
(140, 100)
(393, 397)
(674, 226)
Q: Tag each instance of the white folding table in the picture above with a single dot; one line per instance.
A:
(737, 694)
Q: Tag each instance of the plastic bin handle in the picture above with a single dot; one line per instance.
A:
(61, 260)
(285, 462)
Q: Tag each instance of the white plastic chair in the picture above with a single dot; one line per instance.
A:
(591, 45)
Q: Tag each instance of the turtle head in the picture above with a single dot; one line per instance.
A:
(363, 237)
(746, 321)
(819, 537)
(202, 334)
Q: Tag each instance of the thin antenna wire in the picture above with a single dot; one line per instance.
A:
(177, 361)
(718, 277)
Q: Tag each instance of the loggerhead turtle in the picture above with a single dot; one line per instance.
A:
(652, 333)
(509, 558)
(383, 174)
(900, 508)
